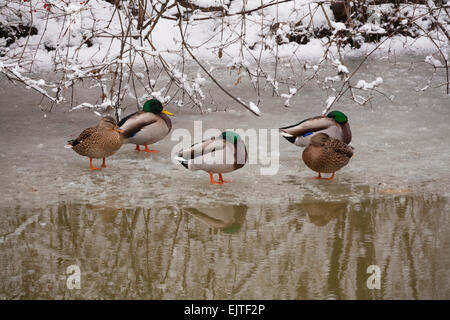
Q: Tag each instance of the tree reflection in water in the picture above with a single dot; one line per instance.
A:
(312, 249)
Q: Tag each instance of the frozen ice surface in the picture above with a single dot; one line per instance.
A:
(400, 144)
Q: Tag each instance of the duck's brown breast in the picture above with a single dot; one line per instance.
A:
(324, 159)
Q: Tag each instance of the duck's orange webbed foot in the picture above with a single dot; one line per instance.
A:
(212, 178)
(223, 181)
(104, 163)
(318, 177)
(137, 148)
(330, 178)
(92, 167)
(148, 150)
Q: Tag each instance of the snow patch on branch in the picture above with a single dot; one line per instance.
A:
(369, 85)
(254, 108)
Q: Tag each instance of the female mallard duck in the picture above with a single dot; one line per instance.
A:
(98, 142)
(326, 155)
(222, 154)
(147, 126)
(335, 124)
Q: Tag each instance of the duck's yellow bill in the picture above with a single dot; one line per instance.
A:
(120, 130)
(167, 112)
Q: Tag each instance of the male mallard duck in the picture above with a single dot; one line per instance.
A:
(147, 126)
(326, 155)
(221, 154)
(228, 218)
(335, 124)
(98, 142)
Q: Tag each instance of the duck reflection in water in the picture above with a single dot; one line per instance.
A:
(228, 219)
(321, 213)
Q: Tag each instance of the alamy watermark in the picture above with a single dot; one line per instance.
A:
(259, 150)
(74, 278)
(374, 280)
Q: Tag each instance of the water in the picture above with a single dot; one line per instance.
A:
(145, 228)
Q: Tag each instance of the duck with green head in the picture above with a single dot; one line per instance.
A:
(222, 154)
(334, 124)
(98, 142)
(227, 218)
(147, 126)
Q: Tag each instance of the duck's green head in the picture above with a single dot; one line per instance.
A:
(235, 227)
(338, 116)
(231, 136)
(155, 106)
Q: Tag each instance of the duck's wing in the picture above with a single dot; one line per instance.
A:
(205, 218)
(134, 123)
(86, 134)
(341, 148)
(202, 148)
(121, 122)
(307, 126)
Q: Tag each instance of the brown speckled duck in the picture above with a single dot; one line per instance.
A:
(98, 142)
(326, 155)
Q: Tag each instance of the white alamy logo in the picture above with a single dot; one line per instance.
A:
(374, 281)
(256, 140)
(74, 278)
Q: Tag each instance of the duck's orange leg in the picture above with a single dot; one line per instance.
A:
(330, 178)
(148, 150)
(104, 163)
(92, 167)
(137, 148)
(318, 177)
(212, 178)
(221, 179)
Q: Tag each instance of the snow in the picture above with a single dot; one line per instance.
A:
(210, 3)
(93, 18)
(338, 26)
(292, 92)
(254, 108)
(68, 25)
(431, 60)
(342, 69)
(330, 101)
(372, 28)
(371, 85)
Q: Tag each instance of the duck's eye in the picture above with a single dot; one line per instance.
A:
(307, 134)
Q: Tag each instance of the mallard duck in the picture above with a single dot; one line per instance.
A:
(98, 142)
(326, 155)
(147, 126)
(335, 124)
(222, 154)
(227, 218)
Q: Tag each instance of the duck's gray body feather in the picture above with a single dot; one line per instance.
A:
(145, 127)
(295, 133)
(215, 155)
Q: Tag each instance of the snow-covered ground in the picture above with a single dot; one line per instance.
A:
(68, 24)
